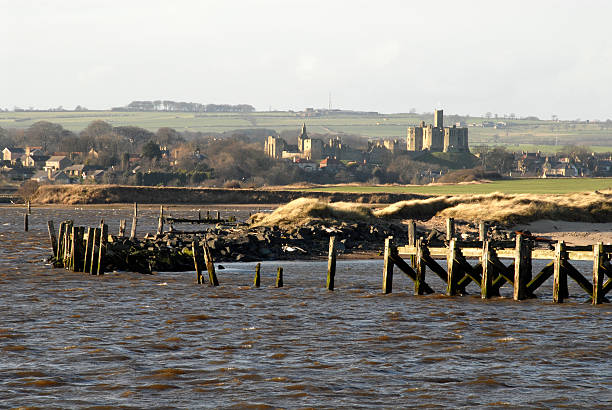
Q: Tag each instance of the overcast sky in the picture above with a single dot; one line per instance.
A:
(468, 57)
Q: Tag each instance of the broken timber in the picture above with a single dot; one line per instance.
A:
(490, 273)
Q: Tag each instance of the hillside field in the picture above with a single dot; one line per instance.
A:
(547, 136)
(514, 186)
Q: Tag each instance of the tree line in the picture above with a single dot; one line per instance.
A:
(167, 105)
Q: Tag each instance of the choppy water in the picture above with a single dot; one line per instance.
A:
(73, 340)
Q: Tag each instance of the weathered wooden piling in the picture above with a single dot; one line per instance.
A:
(134, 221)
(560, 291)
(257, 279)
(210, 266)
(412, 239)
(387, 285)
(95, 251)
(420, 268)
(102, 245)
(450, 228)
(28, 208)
(122, 224)
(598, 273)
(52, 238)
(522, 268)
(26, 224)
(331, 263)
(279, 277)
(452, 268)
(482, 231)
(198, 269)
(487, 271)
(218, 215)
(88, 250)
(160, 221)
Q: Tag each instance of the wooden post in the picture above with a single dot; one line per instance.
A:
(279, 277)
(487, 271)
(210, 266)
(28, 207)
(95, 251)
(598, 274)
(256, 280)
(102, 245)
(412, 240)
(73, 246)
(420, 268)
(66, 255)
(208, 214)
(88, 250)
(218, 215)
(522, 268)
(331, 263)
(160, 221)
(26, 225)
(482, 231)
(199, 215)
(122, 224)
(60, 244)
(52, 238)
(134, 221)
(450, 228)
(194, 249)
(559, 274)
(452, 268)
(387, 285)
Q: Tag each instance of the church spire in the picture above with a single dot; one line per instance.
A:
(303, 134)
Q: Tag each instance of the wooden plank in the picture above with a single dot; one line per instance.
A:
(122, 224)
(387, 285)
(412, 239)
(420, 270)
(578, 278)
(540, 278)
(433, 265)
(95, 251)
(559, 274)
(331, 263)
(102, 247)
(88, 250)
(598, 274)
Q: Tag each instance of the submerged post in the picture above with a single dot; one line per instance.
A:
(26, 224)
(52, 238)
(560, 291)
(450, 228)
(598, 274)
(134, 221)
(279, 277)
(331, 263)
(256, 280)
(387, 285)
(522, 268)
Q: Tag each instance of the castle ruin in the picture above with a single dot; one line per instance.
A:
(437, 137)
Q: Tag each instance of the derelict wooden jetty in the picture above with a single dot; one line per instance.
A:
(490, 273)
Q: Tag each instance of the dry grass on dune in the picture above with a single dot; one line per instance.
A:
(506, 208)
(303, 210)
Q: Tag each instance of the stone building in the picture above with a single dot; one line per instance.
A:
(436, 137)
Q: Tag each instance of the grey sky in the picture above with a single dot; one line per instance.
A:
(469, 57)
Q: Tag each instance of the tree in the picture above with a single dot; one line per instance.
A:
(97, 128)
(151, 150)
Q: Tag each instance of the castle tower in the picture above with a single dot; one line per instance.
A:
(303, 136)
(439, 119)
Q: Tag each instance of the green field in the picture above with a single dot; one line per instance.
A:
(547, 136)
(515, 186)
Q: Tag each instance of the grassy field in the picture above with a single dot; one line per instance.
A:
(516, 186)
(547, 136)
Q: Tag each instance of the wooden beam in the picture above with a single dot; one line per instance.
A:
(134, 221)
(487, 272)
(482, 231)
(450, 229)
(279, 277)
(423, 287)
(52, 238)
(522, 268)
(196, 265)
(256, 280)
(578, 278)
(540, 278)
(210, 266)
(452, 269)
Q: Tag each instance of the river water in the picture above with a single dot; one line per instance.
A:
(130, 340)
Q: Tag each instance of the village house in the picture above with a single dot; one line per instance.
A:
(12, 155)
(57, 162)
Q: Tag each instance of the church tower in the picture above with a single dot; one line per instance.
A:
(303, 136)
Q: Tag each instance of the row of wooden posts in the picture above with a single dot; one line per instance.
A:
(490, 274)
(77, 250)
